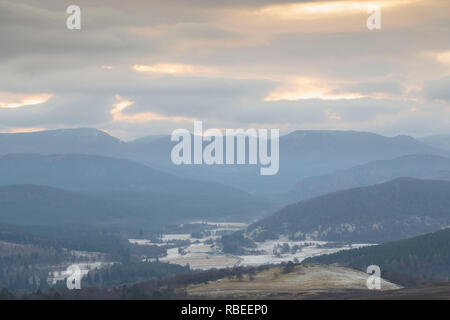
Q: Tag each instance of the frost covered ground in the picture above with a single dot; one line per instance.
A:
(202, 255)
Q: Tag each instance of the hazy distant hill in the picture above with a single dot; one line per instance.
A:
(313, 144)
(414, 166)
(441, 175)
(97, 173)
(393, 210)
(302, 154)
(40, 205)
(329, 150)
(441, 141)
(407, 262)
(82, 140)
(138, 188)
(148, 139)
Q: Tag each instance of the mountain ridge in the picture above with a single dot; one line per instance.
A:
(421, 166)
(302, 154)
(396, 209)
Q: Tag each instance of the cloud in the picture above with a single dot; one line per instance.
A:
(140, 117)
(295, 89)
(174, 69)
(375, 88)
(10, 101)
(438, 89)
(315, 10)
(302, 64)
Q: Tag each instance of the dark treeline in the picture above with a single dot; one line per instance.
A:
(70, 237)
(409, 262)
(29, 253)
(236, 243)
(25, 266)
(132, 272)
(171, 287)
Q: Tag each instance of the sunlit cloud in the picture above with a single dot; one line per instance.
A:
(12, 100)
(149, 116)
(174, 69)
(443, 57)
(121, 104)
(318, 94)
(306, 88)
(140, 117)
(316, 9)
(23, 130)
(151, 58)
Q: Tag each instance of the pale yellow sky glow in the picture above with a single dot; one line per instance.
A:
(308, 88)
(24, 130)
(174, 69)
(443, 57)
(311, 10)
(11, 100)
(149, 116)
(121, 104)
(140, 117)
(144, 67)
(319, 94)
(293, 88)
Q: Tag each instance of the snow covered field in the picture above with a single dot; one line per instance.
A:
(202, 255)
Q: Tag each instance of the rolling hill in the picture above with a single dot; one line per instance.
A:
(412, 261)
(441, 141)
(41, 205)
(154, 196)
(394, 210)
(302, 154)
(375, 172)
(305, 281)
(79, 140)
(34, 205)
(98, 173)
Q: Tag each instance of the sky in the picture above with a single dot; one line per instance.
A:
(138, 68)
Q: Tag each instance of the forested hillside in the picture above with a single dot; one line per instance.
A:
(390, 211)
(411, 261)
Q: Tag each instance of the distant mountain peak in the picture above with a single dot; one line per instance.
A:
(330, 132)
(80, 132)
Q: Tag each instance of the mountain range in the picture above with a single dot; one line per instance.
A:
(123, 187)
(440, 141)
(419, 166)
(302, 154)
(139, 178)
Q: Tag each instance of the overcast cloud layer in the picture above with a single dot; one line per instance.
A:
(138, 68)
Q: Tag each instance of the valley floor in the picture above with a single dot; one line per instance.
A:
(203, 253)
